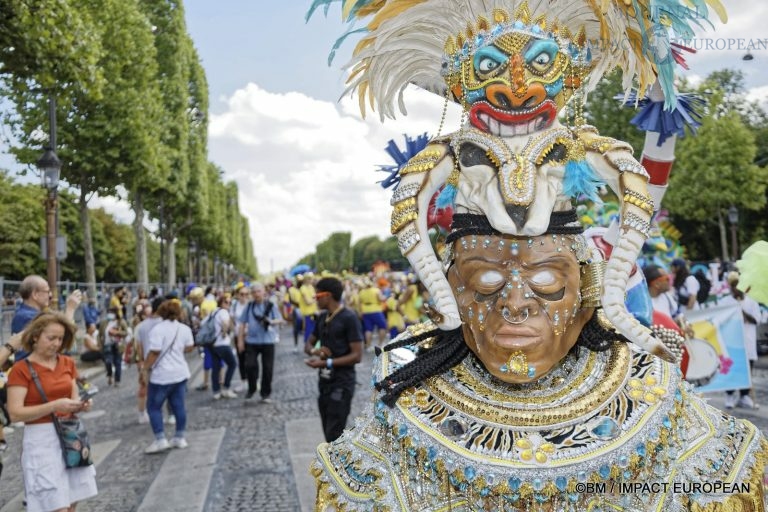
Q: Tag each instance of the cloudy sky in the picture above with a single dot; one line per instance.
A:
(304, 161)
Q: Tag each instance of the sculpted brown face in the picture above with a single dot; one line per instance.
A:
(519, 300)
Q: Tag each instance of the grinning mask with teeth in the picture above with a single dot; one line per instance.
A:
(517, 85)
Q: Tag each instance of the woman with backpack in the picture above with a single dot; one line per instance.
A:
(221, 350)
(686, 285)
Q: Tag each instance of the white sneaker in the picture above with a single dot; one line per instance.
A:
(143, 418)
(179, 442)
(170, 420)
(157, 446)
(730, 400)
(746, 402)
(217, 396)
(239, 387)
(228, 393)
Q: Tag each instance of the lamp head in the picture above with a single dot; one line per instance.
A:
(50, 168)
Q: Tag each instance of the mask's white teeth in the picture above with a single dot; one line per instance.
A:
(521, 129)
(506, 130)
(494, 127)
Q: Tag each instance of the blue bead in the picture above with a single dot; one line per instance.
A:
(678, 395)
(561, 483)
(540, 498)
(514, 484)
(479, 40)
(581, 476)
(497, 30)
(470, 473)
(432, 453)
(519, 25)
(485, 491)
(573, 497)
(454, 481)
(531, 372)
(640, 450)
(538, 484)
(402, 430)
(504, 368)
(605, 472)
(666, 422)
(606, 429)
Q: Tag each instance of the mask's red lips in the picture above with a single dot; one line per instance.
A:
(546, 110)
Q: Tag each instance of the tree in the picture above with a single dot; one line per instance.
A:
(608, 115)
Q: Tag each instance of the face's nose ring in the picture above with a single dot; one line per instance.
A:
(514, 319)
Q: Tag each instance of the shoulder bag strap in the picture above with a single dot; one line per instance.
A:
(166, 350)
(39, 386)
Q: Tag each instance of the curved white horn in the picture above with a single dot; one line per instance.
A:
(421, 178)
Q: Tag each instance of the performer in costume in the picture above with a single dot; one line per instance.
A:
(533, 380)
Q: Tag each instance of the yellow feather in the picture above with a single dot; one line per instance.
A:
(364, 11)
(719, 9)
(391, 10)
(363, 44)
(361, 90)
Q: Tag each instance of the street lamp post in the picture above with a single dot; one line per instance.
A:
(733, 219)
(50, 169)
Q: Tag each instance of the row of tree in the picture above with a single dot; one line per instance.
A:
(132, 114)
(725, 164)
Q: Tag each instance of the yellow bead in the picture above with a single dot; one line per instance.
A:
(523, 444)
(527, 455)
(541, 457)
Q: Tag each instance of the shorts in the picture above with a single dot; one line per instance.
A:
(373, 321)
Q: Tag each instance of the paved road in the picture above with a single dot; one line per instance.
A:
(241, 457)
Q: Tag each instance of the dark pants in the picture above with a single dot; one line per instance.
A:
(334, 402)
(241, 365)
(113, 357)
(222, 355)
(252, 352)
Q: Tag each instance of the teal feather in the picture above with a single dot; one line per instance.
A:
(326, 4)
(340, 41)
(447, 197)
(581, 180)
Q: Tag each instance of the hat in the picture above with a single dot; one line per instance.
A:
(189, 288)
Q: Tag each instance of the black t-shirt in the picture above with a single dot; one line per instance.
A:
(337, 335)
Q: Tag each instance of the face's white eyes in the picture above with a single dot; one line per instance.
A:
(487, 65)
(491, 278)
(543, 278)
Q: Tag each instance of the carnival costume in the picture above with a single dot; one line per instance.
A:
(533, 388)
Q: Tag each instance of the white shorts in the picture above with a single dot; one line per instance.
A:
(48, 484)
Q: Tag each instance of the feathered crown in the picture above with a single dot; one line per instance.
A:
(424, 41)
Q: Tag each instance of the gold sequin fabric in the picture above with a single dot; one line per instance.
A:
(597, 425)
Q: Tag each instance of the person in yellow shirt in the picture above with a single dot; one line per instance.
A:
(395, 320)
(307, 303)
(371, 300)
(410, 303)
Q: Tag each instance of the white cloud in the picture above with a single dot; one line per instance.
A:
(305, 167)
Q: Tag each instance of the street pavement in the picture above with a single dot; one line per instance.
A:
(243, 456)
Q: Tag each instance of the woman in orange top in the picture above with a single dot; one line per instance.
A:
(48, 484)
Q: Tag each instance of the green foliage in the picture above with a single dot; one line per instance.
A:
(22, 223)
(607, 114)
(369, 250)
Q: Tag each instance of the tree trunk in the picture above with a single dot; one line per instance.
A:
(723, 237)
(90, 264)
(142, 272)
(171, 261)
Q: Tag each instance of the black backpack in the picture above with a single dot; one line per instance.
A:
(704, 287)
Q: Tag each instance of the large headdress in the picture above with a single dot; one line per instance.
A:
(425, 42)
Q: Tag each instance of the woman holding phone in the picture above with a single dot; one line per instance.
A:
(48, 484)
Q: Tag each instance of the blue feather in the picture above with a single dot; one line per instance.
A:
(580, 180)
(447, 197)
(413, 145)
(653, 117)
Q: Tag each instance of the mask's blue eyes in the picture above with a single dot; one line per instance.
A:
(487, 65)
(541, 54)
(542, 60)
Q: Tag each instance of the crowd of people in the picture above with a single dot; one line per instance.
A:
(333, 322)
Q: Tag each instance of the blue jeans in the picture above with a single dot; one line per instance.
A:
(174, 393)
(113, 357)
(222, 354)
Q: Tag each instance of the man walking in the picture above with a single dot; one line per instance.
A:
(341, 348)
(256, 339)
